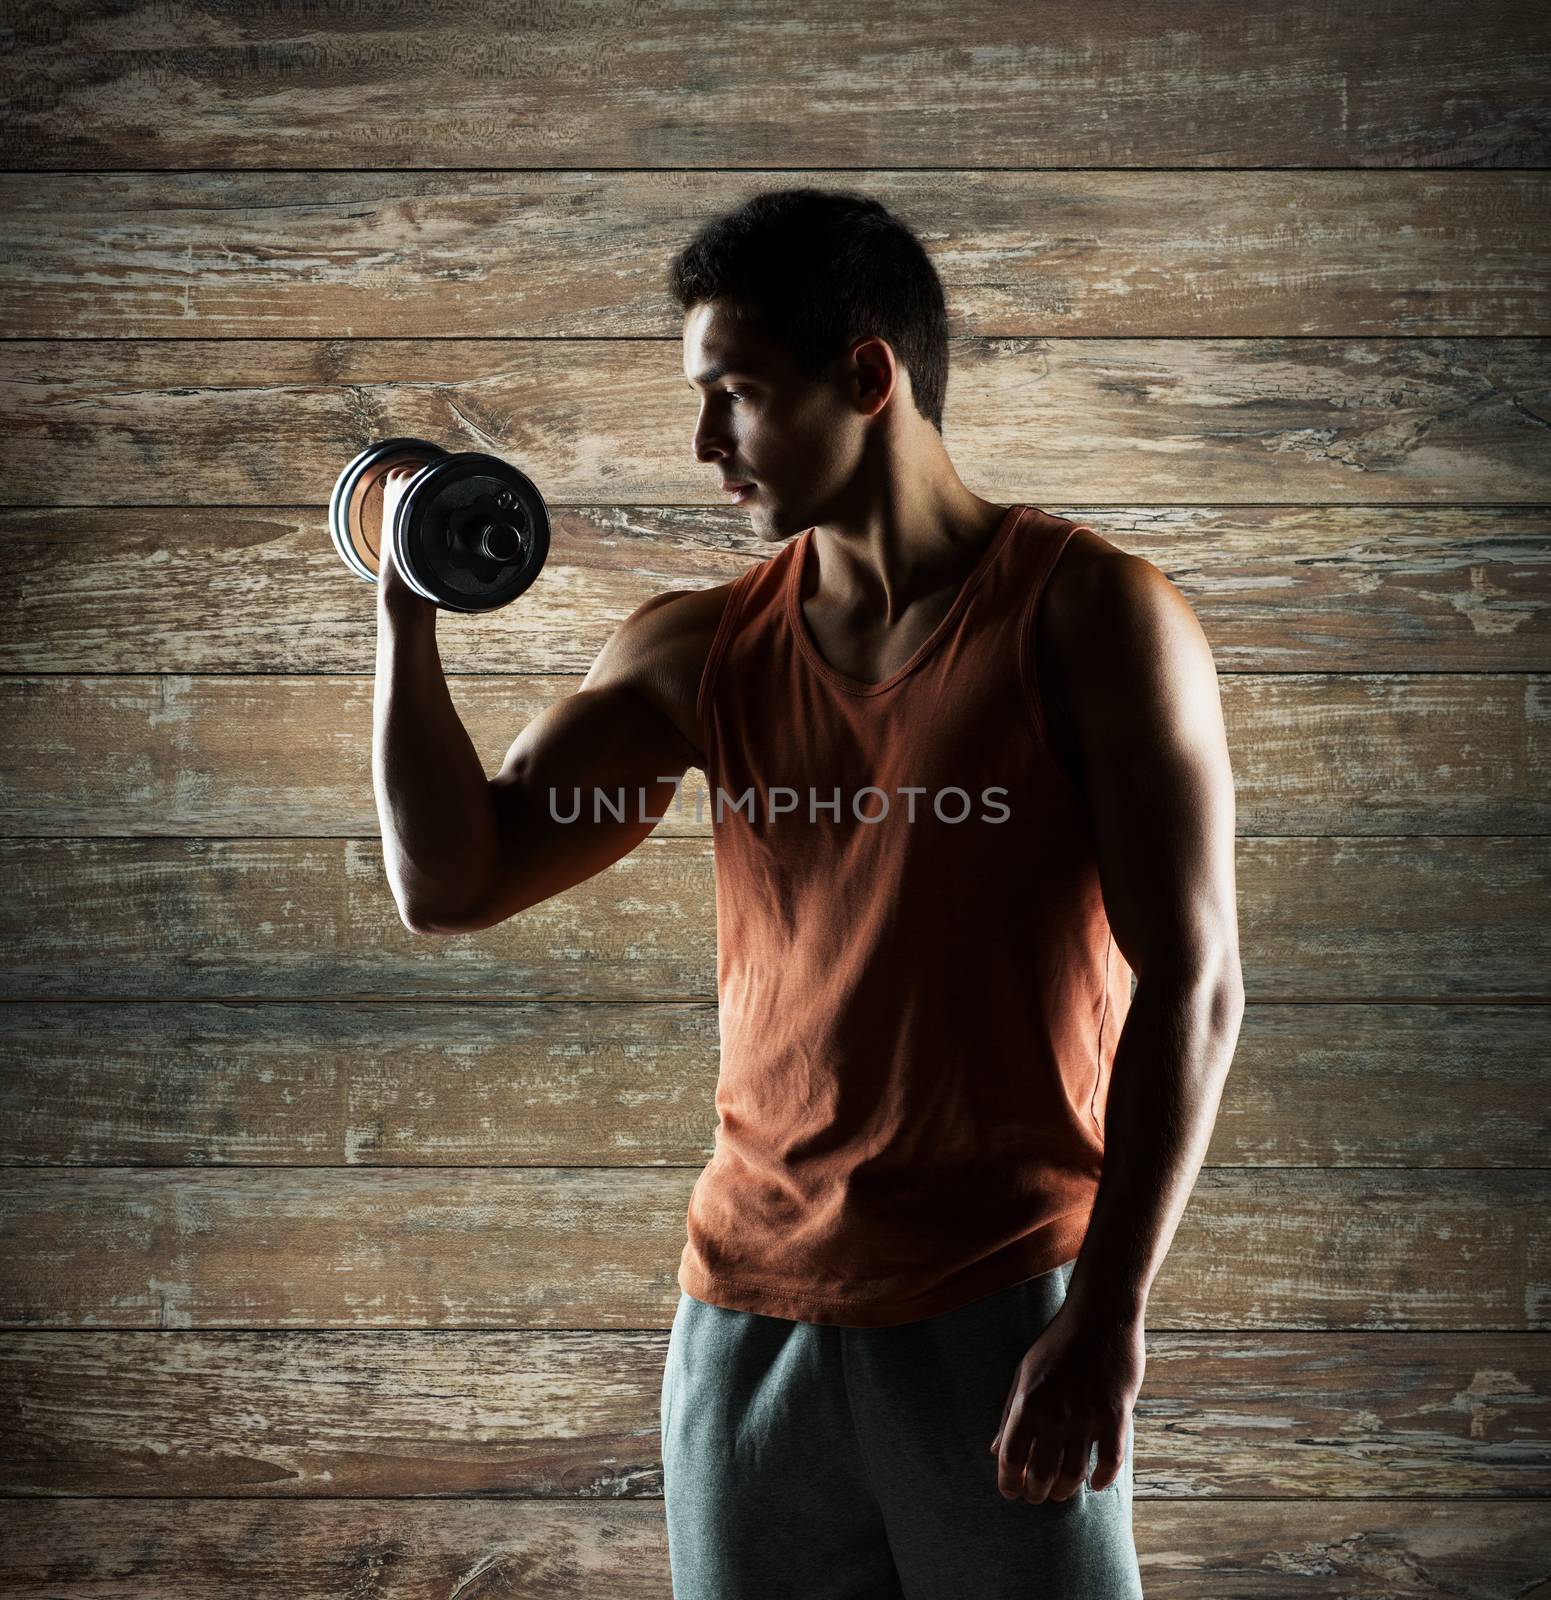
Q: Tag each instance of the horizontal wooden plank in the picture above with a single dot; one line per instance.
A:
(254, 422)
(1415, 918)
(1276, 588)
(264, 756)
(597, 1247)
(561, 1414)
(502, 255)
(633, 1085)
(556, 1550)
(1401, 83)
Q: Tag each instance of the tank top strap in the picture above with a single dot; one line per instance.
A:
(758, 587)
(1043, 536)
(1047, 538)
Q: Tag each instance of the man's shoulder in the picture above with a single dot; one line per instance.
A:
(672, 631)
(660, 652)
(1098, 596)
(1125, 649)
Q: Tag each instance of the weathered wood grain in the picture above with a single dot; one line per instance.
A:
(1276, 588)
(256, 757)
(627, 1085)
(613, 1085)
(597, 1247)
(255, 422)
(576, 1414)
(1397, 83)
(502, 255)
(515, 1549)
(1411, 918)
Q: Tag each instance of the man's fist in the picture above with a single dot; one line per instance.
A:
(393, 589)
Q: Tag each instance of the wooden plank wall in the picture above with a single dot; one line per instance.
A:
(340, 1261)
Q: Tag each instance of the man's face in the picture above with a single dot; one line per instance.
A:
(762, 422)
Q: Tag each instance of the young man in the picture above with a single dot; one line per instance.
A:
(968, 772)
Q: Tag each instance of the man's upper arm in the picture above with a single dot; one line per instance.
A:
(1147, 720)
(585, 780)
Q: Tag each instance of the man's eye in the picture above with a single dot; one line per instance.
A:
(732, 394)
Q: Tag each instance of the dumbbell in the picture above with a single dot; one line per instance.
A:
(471, 532)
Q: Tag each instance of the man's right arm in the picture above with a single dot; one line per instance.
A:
(463, 852)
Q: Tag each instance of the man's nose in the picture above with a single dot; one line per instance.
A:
(706, 443)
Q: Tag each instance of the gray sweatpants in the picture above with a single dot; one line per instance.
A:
(818, 1462)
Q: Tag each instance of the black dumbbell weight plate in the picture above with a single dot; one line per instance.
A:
(472, 532)
(355, 506)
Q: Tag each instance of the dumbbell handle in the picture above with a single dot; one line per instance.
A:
(500, 541)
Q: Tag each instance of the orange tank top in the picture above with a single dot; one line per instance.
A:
(919, 992)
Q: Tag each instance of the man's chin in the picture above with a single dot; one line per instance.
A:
(769, 520)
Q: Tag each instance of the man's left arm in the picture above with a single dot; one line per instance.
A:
(1147, 719)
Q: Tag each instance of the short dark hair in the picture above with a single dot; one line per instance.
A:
(818, 269)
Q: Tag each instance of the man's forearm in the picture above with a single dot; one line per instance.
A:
(1170, 1066)
(433, 798)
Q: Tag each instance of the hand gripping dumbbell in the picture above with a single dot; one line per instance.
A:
(471, 532)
